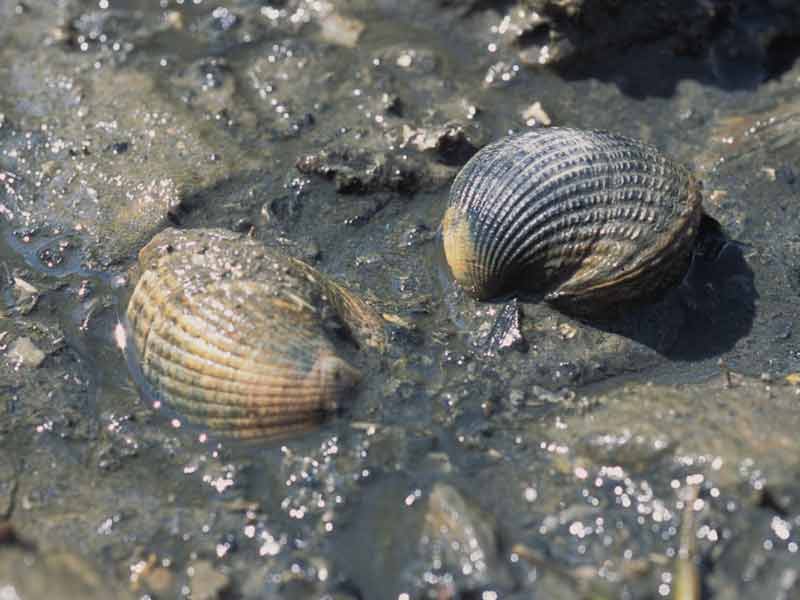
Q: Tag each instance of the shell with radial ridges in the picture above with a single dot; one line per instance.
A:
(588, 218)
(241, 339)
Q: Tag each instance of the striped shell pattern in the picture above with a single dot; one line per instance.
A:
(239, 338)
(586, 217)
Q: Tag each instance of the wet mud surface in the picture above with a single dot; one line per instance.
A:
(495, 450)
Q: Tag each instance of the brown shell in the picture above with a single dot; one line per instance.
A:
(588, 218)
(242, 339)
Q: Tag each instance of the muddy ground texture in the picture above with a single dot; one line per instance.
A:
(497, 450)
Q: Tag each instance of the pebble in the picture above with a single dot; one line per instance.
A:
(717, 196)
(160, 580)
(505, 333)
(567, 331)
(25, 296)
(342, 31)
(23, 352)
(207, 583)
(535, 115)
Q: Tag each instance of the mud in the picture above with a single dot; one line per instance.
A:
(558, 450)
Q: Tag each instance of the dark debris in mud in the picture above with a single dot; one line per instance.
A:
(732, 44)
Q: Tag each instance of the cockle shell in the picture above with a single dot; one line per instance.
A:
(242, 339)
(588, 218)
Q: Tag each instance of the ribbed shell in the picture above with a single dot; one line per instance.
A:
(238, 338)
(590, 218)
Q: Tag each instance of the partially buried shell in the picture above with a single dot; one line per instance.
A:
(242, 339)
(588, 218)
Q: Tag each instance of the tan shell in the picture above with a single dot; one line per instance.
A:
(242, 339)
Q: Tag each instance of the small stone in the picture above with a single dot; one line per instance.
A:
(49, 168)
(207, 583)
(25, 296)
(488, 408)
(420, 138)
(404, 61)
(535, 116)
(567, 331)
(160, 580)
(59, 35)
(505, 333)
(23, 352)
(174, 19)
(450, 143)
(717, 196)
(397, 320)
(342, 31)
